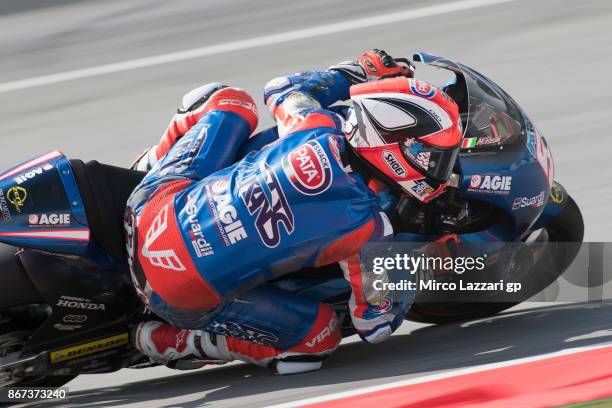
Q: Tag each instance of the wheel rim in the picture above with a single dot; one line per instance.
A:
(450, 309)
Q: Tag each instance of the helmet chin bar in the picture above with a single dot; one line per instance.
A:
(422, 189)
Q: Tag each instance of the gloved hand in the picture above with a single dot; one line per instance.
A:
(375, 325)
(374, 64)
(378, 64)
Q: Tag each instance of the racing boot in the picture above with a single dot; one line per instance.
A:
(225, 348)
(322, 339)
(171, 346)
(163, 343)
(188, 349)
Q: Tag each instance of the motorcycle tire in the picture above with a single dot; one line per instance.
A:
(568, 226)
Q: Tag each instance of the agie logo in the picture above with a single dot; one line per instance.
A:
(485, 184)
(53, 219)
(308, 168)
(33, 172)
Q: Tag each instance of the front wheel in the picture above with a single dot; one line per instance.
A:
(567, 226)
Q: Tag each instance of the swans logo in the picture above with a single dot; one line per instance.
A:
(308, 168)
(166, 258)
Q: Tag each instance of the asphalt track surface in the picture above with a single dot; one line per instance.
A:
(553, 56)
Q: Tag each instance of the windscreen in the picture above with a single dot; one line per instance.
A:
(494, 118)
(489, 115)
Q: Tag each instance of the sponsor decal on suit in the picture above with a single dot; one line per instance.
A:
(165, 258)
(264, 198)
(199, 243)
(308, 168)
(325, 333)
(244, 332)
(224, 213)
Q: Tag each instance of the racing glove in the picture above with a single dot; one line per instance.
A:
(373, 65)
(376, 312)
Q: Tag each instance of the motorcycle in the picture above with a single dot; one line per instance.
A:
(67, 302)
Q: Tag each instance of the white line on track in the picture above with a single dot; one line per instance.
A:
(439, 376)
(240, 45)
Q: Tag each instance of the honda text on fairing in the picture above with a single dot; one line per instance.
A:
(68, 304)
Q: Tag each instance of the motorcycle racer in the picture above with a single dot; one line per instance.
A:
(209, 229)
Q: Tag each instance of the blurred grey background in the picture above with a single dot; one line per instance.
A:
(553, 56)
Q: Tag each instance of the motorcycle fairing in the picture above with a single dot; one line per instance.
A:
(524, 158)
(41, 207)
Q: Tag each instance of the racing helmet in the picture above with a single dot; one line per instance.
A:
(408, 130)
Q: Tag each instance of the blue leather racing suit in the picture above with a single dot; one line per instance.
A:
(222, 213)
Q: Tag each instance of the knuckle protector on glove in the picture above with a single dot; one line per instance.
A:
(352, 71)
(378, 335)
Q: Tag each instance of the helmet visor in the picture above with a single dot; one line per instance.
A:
(433, 162)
